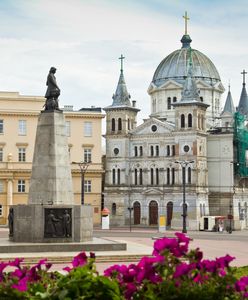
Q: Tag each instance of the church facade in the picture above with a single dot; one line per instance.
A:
(184, 148)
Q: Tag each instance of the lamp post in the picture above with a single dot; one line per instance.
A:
(83, 165)
(130, 209)
(183, 165)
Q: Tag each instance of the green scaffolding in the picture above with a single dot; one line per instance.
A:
(241, 145)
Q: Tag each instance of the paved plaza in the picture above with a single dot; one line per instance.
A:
(140, 242)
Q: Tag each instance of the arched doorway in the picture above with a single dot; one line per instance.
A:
(153, 213)
(136, 213)
(169, 207)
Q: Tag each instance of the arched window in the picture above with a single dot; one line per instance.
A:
(204, 210)
(157, 150)
(113, 124)
(128, 124)
(173, 150)
(169, 103)
(157, 176)
(189, 120)
(141, 176)
(199, 121)
(189, 175)
(168, 150)
(152, 151)
(141, 151)
(118, 176)
(201, 98)
(202, 122)
(152, 173)
(172, 176)
(154, 105)
(168, 175)
(135, 176)
(135, 151)
(174, 99)
(119, 124)
(113, 209)
(113, 176)
(182, 121)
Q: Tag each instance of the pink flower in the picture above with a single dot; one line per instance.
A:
(130, 290)
(241, 284)
(16, 262)
(223, 262)
(21, 285)
(79, 260)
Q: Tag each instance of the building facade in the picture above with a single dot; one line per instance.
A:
(186, 138)
(18, 122)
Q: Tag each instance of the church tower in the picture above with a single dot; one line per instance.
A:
(228, 111)
(243, 101)
(121, 118)
(191, 147)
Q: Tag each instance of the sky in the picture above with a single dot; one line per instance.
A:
(83, 39)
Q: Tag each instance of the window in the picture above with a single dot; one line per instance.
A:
(141, 176)
(169, 103)
(141, 151)
(87, 128)
(113, 124)
(189, 175)
(168, 175)
(118, 176)
(22, 127)
(113, 209)
(67, 128)
(189, 120)
(201, 98)
(173, 176)
(1, 154)
(135, 151)
(157, 176)
(173, 150)
(168, 150)
(135, 176)
(87, 186)
(204, 209)
(152, 173)
(21, 154)
(157, 150)
(1, 186)
(21, 186)
(119, 124)
(201, 211)
(182, 121)
(152, 151)
(113, 176)
(1, 126)
(1, 210)
(128, 124)
(174, 99)
(87, 155)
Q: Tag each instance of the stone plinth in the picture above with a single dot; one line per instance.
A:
(51, 181)
(32, 223)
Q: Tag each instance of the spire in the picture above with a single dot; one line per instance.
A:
(243, 101)
(121, 96)
(229, 106)
(190, 91)
(186, 40)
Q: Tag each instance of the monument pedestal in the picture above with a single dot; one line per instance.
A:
(52, 223)
(50, 215)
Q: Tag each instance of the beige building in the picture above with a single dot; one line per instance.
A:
(18, 122)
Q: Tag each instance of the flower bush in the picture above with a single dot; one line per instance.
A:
(172, 272)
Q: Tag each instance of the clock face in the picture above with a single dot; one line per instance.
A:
(154, 128)
(116, 151)
(186, 148)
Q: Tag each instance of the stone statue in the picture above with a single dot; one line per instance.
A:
(53, 91)
(11, 221)
(66, 221)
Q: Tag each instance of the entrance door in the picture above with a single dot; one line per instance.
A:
(169, 213)
(136, 213)
(153, 213)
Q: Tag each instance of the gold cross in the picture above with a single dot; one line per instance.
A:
(186, 18)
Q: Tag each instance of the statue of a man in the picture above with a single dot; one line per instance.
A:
(53, 91)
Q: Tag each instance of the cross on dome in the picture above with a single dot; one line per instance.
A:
(186, 18)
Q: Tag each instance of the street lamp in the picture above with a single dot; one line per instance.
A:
(183, 164)
(83, 165)
(130, 209)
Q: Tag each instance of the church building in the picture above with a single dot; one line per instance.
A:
(184, 153)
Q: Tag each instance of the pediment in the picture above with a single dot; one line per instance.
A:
(170, 85)
(202, 84)
(146, 127)
(152, 87)
(219, 86)
(152, 191)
